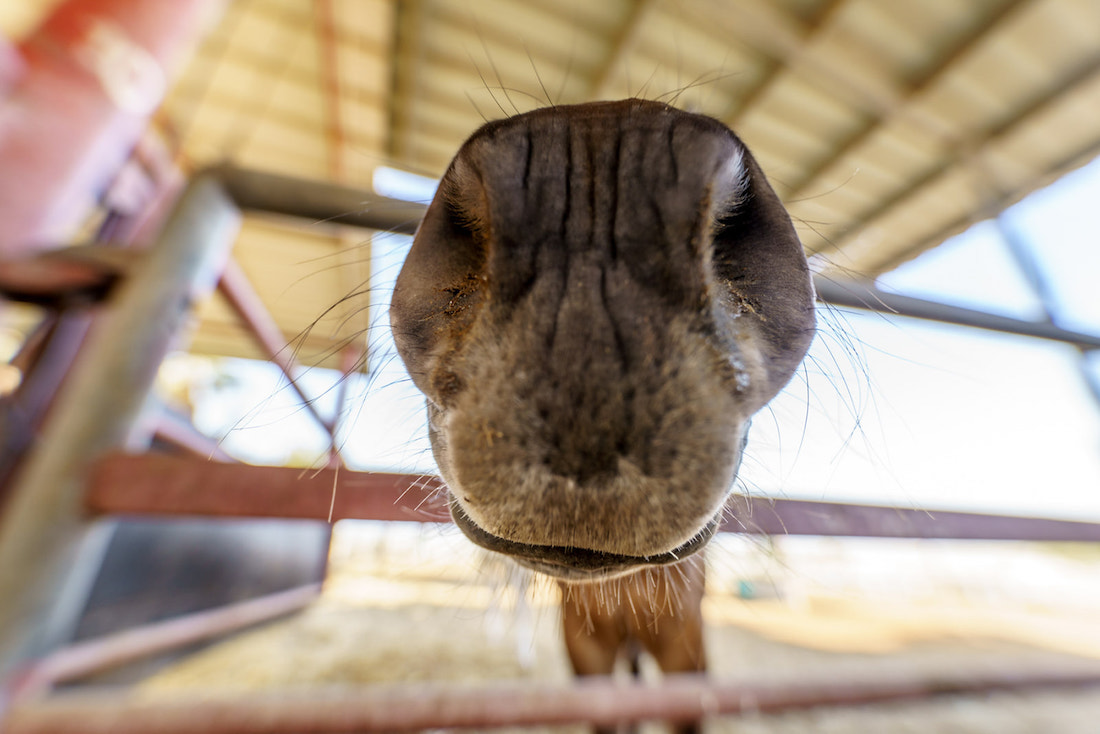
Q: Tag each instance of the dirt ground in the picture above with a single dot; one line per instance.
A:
(407, 604)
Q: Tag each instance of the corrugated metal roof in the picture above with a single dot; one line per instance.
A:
(886, 125)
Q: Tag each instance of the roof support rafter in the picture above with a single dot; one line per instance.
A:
(972, 40)
(621, 47)
(821, 21)
(408, 62)
(775, 34)
(967, 150)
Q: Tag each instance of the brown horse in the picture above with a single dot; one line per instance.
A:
(655, 610)
(598, 299)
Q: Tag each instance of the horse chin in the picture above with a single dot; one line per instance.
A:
(578, 564)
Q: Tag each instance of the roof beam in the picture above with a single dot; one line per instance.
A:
(822, 20)
(255, 62)
(408, 63)
(965, 150)
(903, 108)
(995, 204)
(786, 41)
(622, 46)
(325, 29)
(296, 121)
(287, 19)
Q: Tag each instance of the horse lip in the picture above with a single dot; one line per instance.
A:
(577, 564)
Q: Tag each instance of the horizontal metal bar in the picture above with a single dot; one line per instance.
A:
(103, 653)
(168, 485)
(423, 706)
(121, 484)
(855, 294)
(318, 201)
(72, 274)
(762, 516)
(322, 201)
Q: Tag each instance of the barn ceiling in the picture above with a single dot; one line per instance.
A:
(886, 125)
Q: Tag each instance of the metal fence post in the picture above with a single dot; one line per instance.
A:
(43, 522)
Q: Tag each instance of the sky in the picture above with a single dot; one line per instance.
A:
(887, 410)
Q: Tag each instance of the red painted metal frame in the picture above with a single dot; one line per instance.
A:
(79, 124)
(44, 361)
(242, 298)
(12, 67)
(168, 485)
(56, 276)
(36, 549)
(93, 73)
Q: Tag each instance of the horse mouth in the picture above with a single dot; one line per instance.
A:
(577, 564)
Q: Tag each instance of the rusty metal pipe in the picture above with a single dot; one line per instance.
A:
(413, 707)
(166, 485)
(245, 302)
(318, 201)
(856, 294)
(92, 656)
